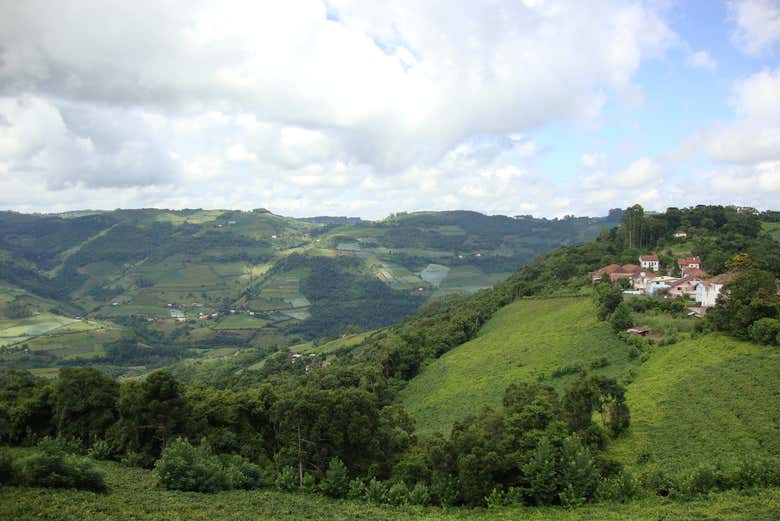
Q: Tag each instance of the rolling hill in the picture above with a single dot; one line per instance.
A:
(709, 399)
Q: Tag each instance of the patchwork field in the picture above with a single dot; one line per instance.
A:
(134, 495)
(14, 331)
(527, 340)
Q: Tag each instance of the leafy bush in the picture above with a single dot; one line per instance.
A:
(57, 470)
(101, 450)
(398, 494)
(765, 331)
(183, 466)
(420, 494)
(357, 489)
(619, 489)
(286, 479)
(336, 483)
(376, 491)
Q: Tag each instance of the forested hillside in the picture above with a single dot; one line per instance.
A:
(530, 393)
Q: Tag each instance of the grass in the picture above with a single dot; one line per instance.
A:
(133, 495)
(13, 331)
(241, 322)
(525, 341)
(707, 399)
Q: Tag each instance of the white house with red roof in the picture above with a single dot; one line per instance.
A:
(689, 262)
(649, 262)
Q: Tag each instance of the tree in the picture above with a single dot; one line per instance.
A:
(336, 482)
(621, 319)
(17, 310)
(765, 331)
(84, 403)
(743, 301)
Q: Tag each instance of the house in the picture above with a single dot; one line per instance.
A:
(685, 286)
(606, 270)
(641, 280)
(649, 262)
(627, 271)
(695, 272)
(659, 284)
(689, 262)
(680, 234)
(708, 291)
(640, 331)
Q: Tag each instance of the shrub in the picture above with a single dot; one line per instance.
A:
(336, 482)
(619, 489)
(183, 466)
(101, 450)
(357, 489)
(398, 494)
(420, 494)
(621, 318)
(445, 490)
(60, 445)
(376, 491)
(286, 479)
(765, 330)
(57, 470)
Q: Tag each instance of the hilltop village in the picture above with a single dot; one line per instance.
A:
(685, 279)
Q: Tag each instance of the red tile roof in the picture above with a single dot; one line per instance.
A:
(688, 260)
(648, 258)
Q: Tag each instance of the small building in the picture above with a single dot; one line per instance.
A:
(708, 291)
(695, 272)
(685, 286)
(680, 234)
(641, 280)
(627, 271)
(689, 262)
(606, 270)
(659, 284)
(650, 262)
(638, 331)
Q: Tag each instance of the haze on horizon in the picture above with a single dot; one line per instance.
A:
(309, 107)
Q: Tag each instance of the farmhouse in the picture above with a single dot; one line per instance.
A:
(684, 286)
(606, 270)
(680, 234)
(641, 280)
(708, 291)
(659, 284)
(695, 272)
(649, 262)
(689, 262)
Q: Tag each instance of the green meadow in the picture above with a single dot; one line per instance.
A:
(527, 340)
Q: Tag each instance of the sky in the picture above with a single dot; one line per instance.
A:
(364, 108)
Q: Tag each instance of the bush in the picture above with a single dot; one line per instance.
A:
(286, 480)
(619, 489)
(60, 445)
(56, 470)
(765, 330)
(398, 494)
(357, 489)
(420, 494)
(445, 490)
(336, 482)
(183, 466)
(101, 450)
(376, 491)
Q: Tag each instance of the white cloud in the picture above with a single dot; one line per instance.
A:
(757, 25)
(307, 107)
(701, 60)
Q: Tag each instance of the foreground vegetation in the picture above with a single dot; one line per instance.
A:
(133, 495)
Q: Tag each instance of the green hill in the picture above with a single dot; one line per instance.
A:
(703, 400)
(524, 341)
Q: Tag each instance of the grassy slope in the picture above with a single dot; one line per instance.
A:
(525, 340)
(704, 400)
(134, 496)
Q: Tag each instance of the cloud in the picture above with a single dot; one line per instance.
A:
(701, 60)
(305, 106)
(757, 25)
(754, 135)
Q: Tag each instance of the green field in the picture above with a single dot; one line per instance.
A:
(241, 322)
(134, 495)
(526, 340)
(14, 331)
(704, 400)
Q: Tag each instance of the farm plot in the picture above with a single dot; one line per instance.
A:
(18, 330)
(469, 279)
(241, 322)
(76, 340)
(434, 274)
